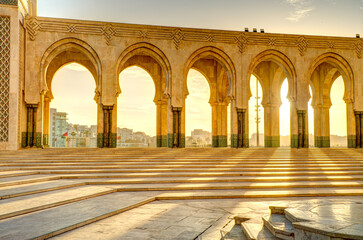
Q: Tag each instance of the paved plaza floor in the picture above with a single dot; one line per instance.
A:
(175, 193)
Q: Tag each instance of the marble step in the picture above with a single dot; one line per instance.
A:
(197, 161)
(41, 201)
(228, 185)
(253, 229)
(38, 187)
(240, 171)
(7, 174)
(229, 194)
(55, 221)
(19, 180)
(141, 167)
(147, 185)
(202, 177)
(279, 226)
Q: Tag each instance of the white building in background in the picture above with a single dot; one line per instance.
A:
(57, 127)
(199, 138)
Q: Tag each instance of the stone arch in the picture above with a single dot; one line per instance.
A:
(283, 62)
(342, 66)
(156, 64)
(219, 70)
(146, 50)
(323, 72)
(221, 57)
(67, 51)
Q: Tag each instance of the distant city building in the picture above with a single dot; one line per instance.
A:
(57, 128)
(199, 138)
(128, 138)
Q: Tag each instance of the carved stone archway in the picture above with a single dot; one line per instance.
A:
(322, 74)
(153, 61)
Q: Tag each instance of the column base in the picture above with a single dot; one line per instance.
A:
(352, 141)
(46, 140)
(322, 141)
(24, 137)
(294, 140)
(219, 141)
(100, 140)
(162, 141)
(113, 143)
(234, 141)
(272, 141)
(170, 143)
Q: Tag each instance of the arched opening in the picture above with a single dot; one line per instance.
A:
(284, 115)
(332, 81)
(152, 62)
(338, 119)
(277, 75)
(73, 61)
(219, 71)
(136, 111)
(256, 116)
(198, 124)
(73, 111)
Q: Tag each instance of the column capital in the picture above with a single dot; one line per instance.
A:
(32, 105)
(110, 107)
(240, 110)
(302, 111)
(177, 109)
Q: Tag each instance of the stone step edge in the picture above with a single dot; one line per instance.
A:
(18, 174)
(241, 220)
(20, 182)
(236, 172)
(217, 185)
(165, 196)
(303, 216)
(187, 168)
(41, 190)
(176, 188)
(56, 204)
(277, 232)
(95, 219)
(178, 162)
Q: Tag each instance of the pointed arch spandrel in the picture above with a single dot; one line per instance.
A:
(145, 49)
(78, 52)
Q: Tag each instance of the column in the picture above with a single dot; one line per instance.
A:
(177, 135)
(322, 126)
(31, 135)
(234, 124)
(161, 123)
(241, 129)
(108, 137)
(272, 125)
(293, 124)
(351, 129)
(303, 141)
(219, 124)
(46, 113)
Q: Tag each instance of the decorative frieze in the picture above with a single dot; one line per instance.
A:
(4, 77)
(177, 35)
(9, 2)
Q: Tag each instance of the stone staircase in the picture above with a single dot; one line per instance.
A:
(294, 224)
(52, 191)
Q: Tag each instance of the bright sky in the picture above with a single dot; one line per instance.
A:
(314, 17)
